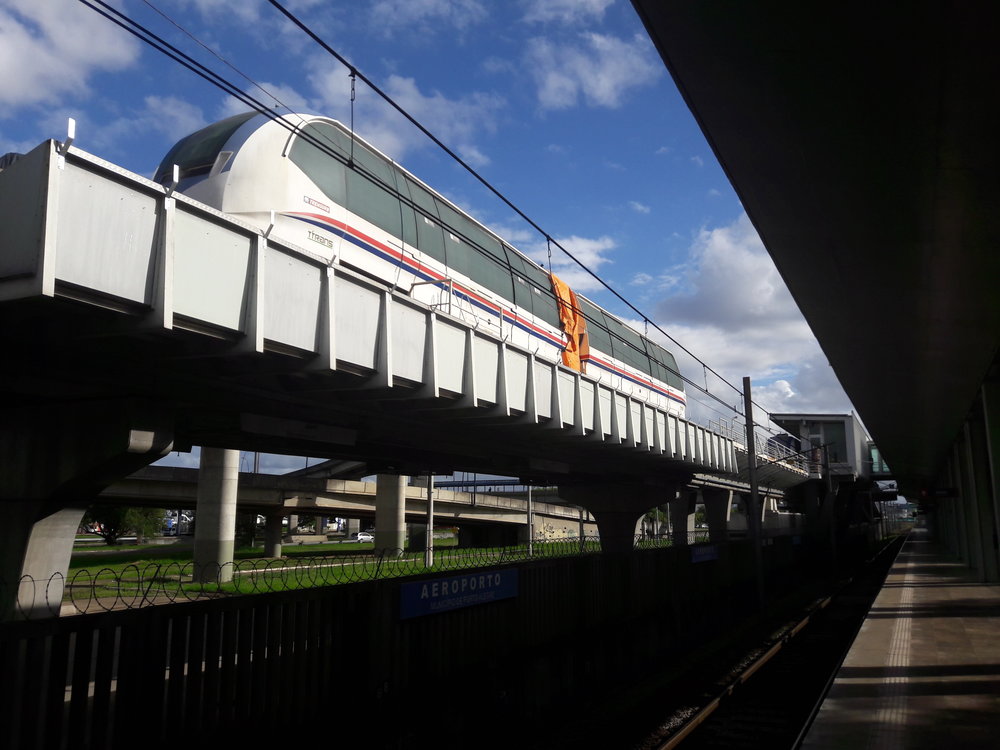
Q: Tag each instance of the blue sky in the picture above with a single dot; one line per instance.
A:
(563, 105)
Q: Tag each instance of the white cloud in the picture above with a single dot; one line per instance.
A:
(599, 69)
(663, 150)
(729, 306)
(697, 161)
(731, 282)
(641, 279)
(426, 16)
(499, 65)
(639, 208)
(172, 117)
(16, 146)
(49, 51)
(458, 123)
(282, 96)
(590, 252)
(564, 11)
(713, 193)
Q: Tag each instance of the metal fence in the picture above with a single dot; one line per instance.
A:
(141, 585)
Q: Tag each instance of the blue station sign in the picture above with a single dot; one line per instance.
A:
(455, 592)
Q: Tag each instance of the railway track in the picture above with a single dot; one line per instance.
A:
(770, 700)
(760, 689)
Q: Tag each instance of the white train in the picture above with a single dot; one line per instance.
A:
(337, 196)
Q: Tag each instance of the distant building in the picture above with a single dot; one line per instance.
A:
(850, 450)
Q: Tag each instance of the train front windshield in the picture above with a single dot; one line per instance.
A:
(196, 153)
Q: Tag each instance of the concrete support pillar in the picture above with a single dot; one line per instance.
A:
(617, 530)
(215, 516)
(390, 513)
(716, 503)
(810, 507)
(320, 524)
(293, 524)
(352, 527)
(37, 555)
(967, 497)
(417, 537)
(990, 462)
(961, 513)
(54, 460)
(978, 483)
(617, 507)
(682, 516)
(272, 535)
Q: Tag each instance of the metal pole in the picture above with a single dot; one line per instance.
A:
(429, 546)
(531, 525)
(754, 515)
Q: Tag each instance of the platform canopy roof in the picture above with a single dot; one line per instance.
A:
(863, 140)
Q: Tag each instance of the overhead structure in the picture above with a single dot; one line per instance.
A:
(862, 141)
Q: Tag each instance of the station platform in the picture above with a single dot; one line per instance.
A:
(924, 670)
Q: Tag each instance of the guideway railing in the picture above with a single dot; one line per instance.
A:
(774, 451)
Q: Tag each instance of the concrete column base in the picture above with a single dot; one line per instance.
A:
(418, 537)
(682, 517)
(272, 535)
(36, 559)
(215, 516)
(617, 507)
(716, 503)
(54, 461)
(390, 513)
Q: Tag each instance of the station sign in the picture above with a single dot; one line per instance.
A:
(704, 553)
(436, 595)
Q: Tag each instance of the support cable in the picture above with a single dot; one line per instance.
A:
(434, 139)
(158, 43)
(215, 54)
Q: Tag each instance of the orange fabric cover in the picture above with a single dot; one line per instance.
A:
(573, 323)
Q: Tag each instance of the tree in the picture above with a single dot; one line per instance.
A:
(115, 521)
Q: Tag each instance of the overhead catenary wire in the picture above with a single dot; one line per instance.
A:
(158, 43)
(482, 180)
(215, 54)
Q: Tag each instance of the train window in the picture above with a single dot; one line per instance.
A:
(430, 238)
(482, 258)
(311, 153)
(543, 298)
(656, 368)
(196, 153)
(673, 378)
(371, 191)
(626, 344)
(523, 291)
(597, 328)
(407, 215)
(634, 351)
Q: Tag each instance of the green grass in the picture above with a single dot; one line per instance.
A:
(132, 575)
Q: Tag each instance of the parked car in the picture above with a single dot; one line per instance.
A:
(363, 536)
